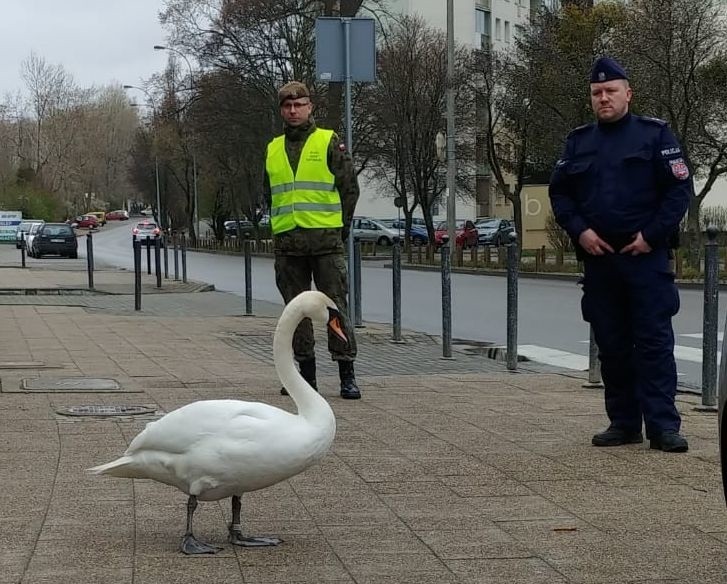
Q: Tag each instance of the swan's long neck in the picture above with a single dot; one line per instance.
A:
(310, 404)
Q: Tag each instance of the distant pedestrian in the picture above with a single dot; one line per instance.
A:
(620, 190)
(312, 190)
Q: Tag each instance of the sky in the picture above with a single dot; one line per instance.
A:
(99, 42)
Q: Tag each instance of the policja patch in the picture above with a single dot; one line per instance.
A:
(679, 169)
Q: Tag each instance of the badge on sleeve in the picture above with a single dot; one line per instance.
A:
(679, 169)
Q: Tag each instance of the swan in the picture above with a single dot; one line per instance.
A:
(216, 449)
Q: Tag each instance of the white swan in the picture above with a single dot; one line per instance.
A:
(223, 448)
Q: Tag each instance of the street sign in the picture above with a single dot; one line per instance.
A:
(330, 49)
(399, 202)
(9, 222)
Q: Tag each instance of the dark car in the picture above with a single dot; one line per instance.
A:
(246, 228)
(494, 231)
(417, 234)
(55, 239)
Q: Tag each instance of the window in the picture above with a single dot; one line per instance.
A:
(498, 29)
(483, 28)
(507, 31)
(480, 18)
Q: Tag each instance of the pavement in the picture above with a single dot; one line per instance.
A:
(446, 471)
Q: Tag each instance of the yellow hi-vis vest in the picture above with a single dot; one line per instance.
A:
(308, 199)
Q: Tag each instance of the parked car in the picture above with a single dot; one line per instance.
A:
(146, 231)
(22, 232)
(30, 237)
(55, 238)
(371, 230)
(494, 231)
(246, 228)
(465, 233)
(120, 215)
(417, 234)
(84, 222)
(100, 215)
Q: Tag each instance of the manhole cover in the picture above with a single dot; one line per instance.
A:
(69, 384)
(105, 411)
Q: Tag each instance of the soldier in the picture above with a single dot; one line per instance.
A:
(311, 190)
(620, 190)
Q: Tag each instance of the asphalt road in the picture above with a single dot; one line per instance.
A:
(550, 327)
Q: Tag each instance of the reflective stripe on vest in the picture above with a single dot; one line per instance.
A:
(308, 198)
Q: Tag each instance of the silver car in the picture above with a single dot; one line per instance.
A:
(371, 230)
(23, 230)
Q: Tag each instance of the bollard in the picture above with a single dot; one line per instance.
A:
(709, 336)
(248, 277)
(176, 257)
(446, 299)
(89, 259)
(22, 249)
(396, 284)
(594, 366)
(148, 255)
(157, 261)
(165, 242)
(184, 259)
(358, 318)
(512, 276)
(137, 274)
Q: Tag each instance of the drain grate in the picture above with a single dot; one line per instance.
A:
(91, 410)
(69, 384)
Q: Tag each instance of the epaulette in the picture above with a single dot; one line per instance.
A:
(579, 129)
(656, 121)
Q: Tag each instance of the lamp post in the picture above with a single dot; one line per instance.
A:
(194, 157)
(451, 166)
(156, 156)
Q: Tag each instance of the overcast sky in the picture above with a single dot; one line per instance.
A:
(98, 41)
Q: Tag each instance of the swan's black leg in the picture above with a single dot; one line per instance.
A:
(236, 537)
(190, 544)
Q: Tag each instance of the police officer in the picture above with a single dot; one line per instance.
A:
(620, 190)
(311, 189)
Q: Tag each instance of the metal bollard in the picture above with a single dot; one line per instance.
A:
(512, 297)
(176, 257)
(446, 299)
(594, 366)
(358, 318)
(148, 256)
(709, 336)
(157, 261)
(184, 259)
(89, 259)
(22, 249)
(137, 274)
(165, 241)
(248, 277)
(396, 284)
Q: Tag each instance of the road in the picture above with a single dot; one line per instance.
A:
(550, 327)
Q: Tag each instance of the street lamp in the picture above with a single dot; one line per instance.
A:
(194, 157)
(156, 156)
(451, 166)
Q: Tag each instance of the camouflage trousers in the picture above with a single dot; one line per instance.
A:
(293, 275)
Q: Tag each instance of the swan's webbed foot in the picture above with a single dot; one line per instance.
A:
(236, 538)
(192, 546)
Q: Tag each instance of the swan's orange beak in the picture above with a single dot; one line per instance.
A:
(334, 323)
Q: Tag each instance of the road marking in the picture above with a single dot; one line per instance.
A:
(554, 357)
(699, 336)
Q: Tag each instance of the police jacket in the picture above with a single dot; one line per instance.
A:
(620, 178)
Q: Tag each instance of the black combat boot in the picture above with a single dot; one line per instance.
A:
(307, 369)
(617, 437)
(669, 442)
(349, 389)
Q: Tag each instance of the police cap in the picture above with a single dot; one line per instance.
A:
(607, 69)
(292, 90)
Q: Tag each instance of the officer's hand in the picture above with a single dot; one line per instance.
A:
(593, 244)
(637, 246)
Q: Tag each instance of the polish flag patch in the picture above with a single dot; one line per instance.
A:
(679, 169)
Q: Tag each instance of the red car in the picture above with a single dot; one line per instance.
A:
(465, 230)
(85, 222)
(120, 215)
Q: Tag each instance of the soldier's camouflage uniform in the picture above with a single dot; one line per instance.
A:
(300, 253)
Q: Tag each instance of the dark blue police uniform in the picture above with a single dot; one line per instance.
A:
(621, 178)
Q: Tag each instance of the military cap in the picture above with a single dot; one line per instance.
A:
(292, 90)
(607, 69)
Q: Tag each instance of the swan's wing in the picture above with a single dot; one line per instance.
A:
(182, 429)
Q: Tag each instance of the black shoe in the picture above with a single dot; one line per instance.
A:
(669, 442)
(308, 371)
(617, 437)
(349, 389)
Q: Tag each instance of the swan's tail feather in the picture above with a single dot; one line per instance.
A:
(115, 468)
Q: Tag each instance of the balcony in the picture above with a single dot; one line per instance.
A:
(485, 4)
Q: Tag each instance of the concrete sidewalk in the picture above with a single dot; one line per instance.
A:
(446, 471)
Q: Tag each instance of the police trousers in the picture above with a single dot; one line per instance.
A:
(630, 301)
(293, 275)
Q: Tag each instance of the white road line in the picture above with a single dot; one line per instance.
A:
(699, 336)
